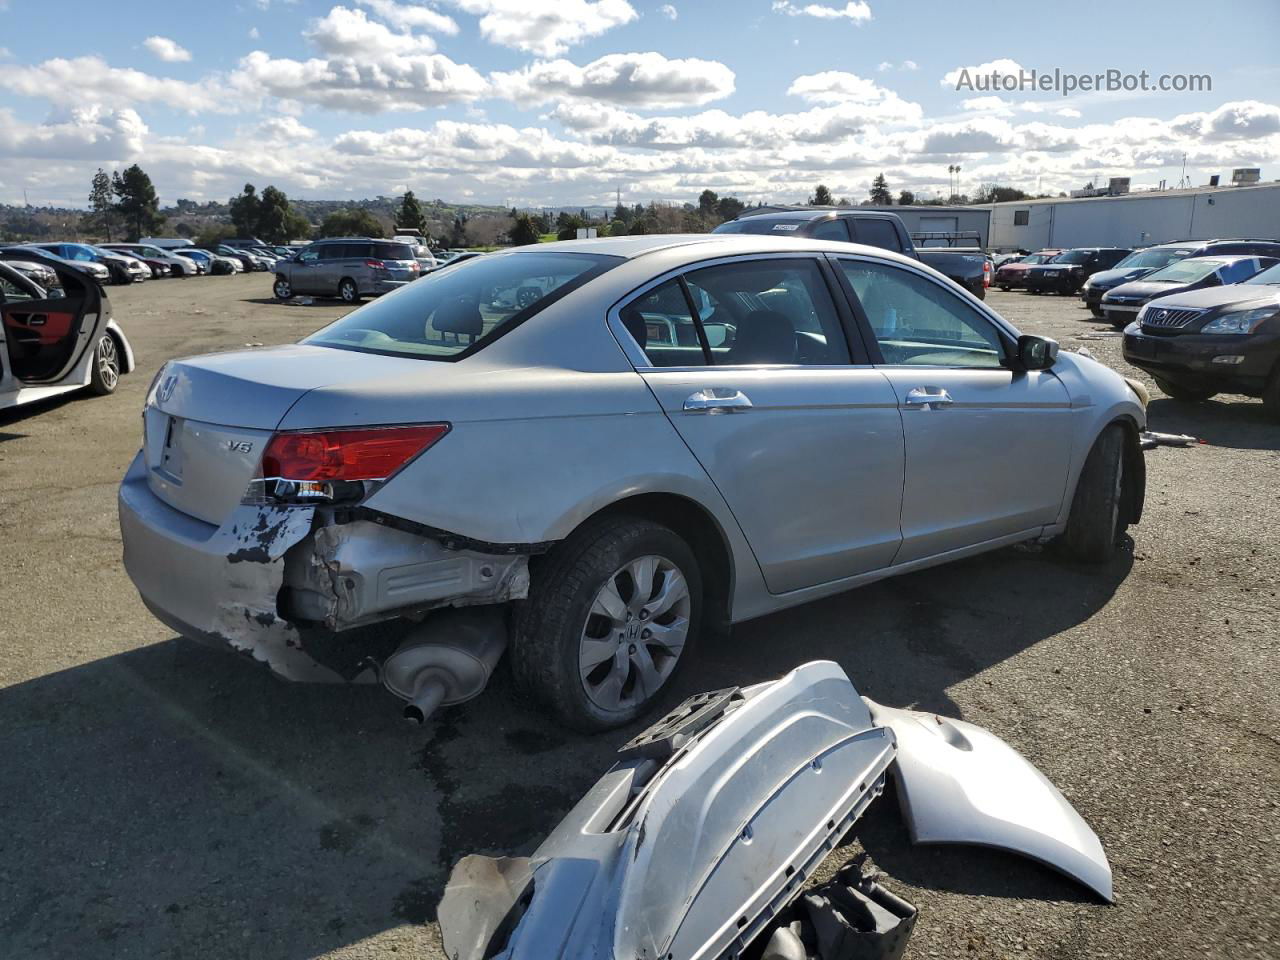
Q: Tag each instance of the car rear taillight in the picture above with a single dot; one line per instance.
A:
(376, 264)
(337, 464)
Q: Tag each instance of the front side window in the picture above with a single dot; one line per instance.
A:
(458, 311)
(310, 256)
(766, 312)
(1191, 270)
(831, 230)
(10, 291)
(918, 322)
(1073, 256)
(880, 233)
(1154, 258)
(1239, 270)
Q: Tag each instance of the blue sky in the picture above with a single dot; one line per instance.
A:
(563, 101)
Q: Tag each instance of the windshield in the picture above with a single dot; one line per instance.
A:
(1269, 275)
(786, 227)
(1184, 271)
(1072, 256)
(1037, 258)
(446, 314)
(393, 251)
(1155, 258)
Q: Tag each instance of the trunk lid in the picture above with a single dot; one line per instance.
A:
(209, 418)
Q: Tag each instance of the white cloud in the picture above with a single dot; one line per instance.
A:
(408, 16)
(1069, 112)
(1237, 120)
(910, 65)
(669, 11)
(1004, 66)
(253, 33)
(546, 28)
(626, 79)
(167, 50)
(876, 102)
(91, 80)
(88, 133)
(392, 82)
(349, 33)
(856, 11)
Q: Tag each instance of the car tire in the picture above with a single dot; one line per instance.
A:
(282, 289)
(562, 628)
(104, 374)
(348, 292)
(1093, 526)
(1271, 394)
(1005, 287)
(1183, 394)
(1097, 312)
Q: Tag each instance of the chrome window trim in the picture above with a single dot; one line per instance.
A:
(640, 360)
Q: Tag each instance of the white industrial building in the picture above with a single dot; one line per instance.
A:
(1137, 219)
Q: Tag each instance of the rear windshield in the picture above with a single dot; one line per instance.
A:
(1155, 258)
(393, 251)
(1185, 271)
(1270, 275)
(444, 315)
(1072, 256)
(783, 227)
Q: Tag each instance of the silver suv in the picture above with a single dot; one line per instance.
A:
(350, 267)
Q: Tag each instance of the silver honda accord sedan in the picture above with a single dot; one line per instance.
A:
(591, 454)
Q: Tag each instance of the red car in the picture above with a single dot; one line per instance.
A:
(1014, 274)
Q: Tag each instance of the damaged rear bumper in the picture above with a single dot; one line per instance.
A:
(275, 582)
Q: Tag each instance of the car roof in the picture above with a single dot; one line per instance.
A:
(701, 246)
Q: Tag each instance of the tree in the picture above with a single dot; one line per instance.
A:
(708, 203)
(994, 193)
(524, 232)
(214, 234)
(729, 207)
(102, 206)
(458, 234)
(821, 197)
(245, 210)
(567, 226)
(906, 198)
(410, 215)
(138, 205)
(350, 223)
(880, 194)
(277, 221)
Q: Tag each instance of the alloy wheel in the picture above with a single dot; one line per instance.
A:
(635, 633)
(347, 290)
(108, 362)
(282, 290)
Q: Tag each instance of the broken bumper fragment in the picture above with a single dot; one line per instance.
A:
(697, 844)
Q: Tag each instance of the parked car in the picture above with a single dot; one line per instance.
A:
(92, 268)
(454, 257)
(969, 269)
(214, 264)
(45, 346)
(121, 268)
(1142, 262)
(1011, 274)
(247, 262)
(1220, 339)
(1067, 272)
(426, 259)
(855, 415)
(350, 267)
(1121, 304)
(253, 261)
(166, 263)
(40, 274)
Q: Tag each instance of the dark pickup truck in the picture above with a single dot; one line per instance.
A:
(874, 228)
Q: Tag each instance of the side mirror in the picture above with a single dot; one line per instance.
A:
(1036, 353)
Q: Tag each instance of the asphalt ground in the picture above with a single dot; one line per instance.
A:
(159, 799)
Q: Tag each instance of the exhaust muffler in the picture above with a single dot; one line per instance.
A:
(447, 660)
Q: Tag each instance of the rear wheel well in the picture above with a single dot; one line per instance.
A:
(703, 534)
(121, 352)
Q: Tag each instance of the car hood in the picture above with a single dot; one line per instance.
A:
(1113, 278)
(1145, 290)
(1236, 294)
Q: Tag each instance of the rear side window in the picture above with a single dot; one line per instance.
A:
(877, 232)
(767, 311)
(329, 251)
(920, 323)
(455, 312)
(664, 327)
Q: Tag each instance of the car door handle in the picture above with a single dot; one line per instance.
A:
(717, 400)
(929, 398)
